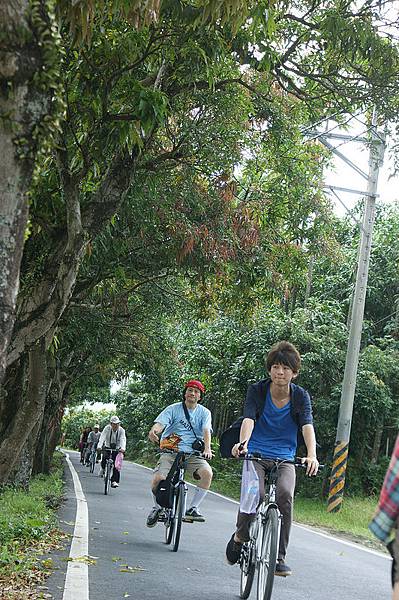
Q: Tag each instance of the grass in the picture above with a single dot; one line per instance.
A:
(28, 528)
(351, 521)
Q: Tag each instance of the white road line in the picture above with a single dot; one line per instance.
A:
(77, 576)
(307, 528)
(351, 544)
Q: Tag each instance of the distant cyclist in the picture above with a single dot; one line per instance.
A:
(92, 441)
(113, 436)
(275, 410)
(83, 443)
(178, 427)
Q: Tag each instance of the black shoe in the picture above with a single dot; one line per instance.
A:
(282, 569)
(233, 551)
(152, 518)
(193, 514)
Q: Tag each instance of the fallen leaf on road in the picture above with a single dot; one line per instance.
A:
(128, 569)
(47, 563)
(88, 560)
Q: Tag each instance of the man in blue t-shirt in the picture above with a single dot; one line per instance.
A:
(175, 429)
(275, 411)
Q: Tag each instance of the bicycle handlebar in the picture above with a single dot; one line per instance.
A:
(297, 462)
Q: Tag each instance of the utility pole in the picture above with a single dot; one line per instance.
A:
(338, 471)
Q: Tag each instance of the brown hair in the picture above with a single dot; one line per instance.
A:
(284, 353)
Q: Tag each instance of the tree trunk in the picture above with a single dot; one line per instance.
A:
(23, 106)
(377, 443)
(51, 423)
(24, 409)
(309, 281)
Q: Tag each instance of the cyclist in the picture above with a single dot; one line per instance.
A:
(112, 436)
(275, 411)
(175, 430)
(92, 442)
(83, 442)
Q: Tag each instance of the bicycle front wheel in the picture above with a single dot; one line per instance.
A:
(268, 555)
(247, 567)
(179, 514)
(107, 477)
(92, 462)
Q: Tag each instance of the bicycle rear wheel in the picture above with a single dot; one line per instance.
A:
(268, 555)
(179, 514)
(247, 567)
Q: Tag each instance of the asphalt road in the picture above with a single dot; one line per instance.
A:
(131, 560)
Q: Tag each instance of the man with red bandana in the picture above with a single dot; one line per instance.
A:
(176, 428)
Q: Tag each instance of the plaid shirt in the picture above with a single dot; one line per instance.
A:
(387, 512)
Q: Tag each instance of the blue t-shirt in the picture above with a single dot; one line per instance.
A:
(275, 432)
(175, 421)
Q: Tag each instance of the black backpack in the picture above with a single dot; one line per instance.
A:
(229, 438)
(164, 491)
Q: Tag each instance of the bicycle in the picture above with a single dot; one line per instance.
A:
(109, 466)
(260, 553)
(92, 459)
(174, 517)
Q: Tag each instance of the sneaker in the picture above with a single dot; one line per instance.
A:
(282, 569)
(233, 551)
(101, 472)
(152, 518)
(192, 514)
(114, 484)
(162, 516)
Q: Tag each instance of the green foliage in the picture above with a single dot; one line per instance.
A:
(77, 419)
(27, 518)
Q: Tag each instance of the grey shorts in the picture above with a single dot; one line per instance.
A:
(194, 463)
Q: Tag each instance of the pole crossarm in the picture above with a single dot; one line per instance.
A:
(338, 136)
(350, 191)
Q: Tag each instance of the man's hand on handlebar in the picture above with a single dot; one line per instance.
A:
(153, 437)
(312, 465)
(207, 453)
(240, 449)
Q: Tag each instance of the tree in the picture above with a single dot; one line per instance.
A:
(170, 93)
